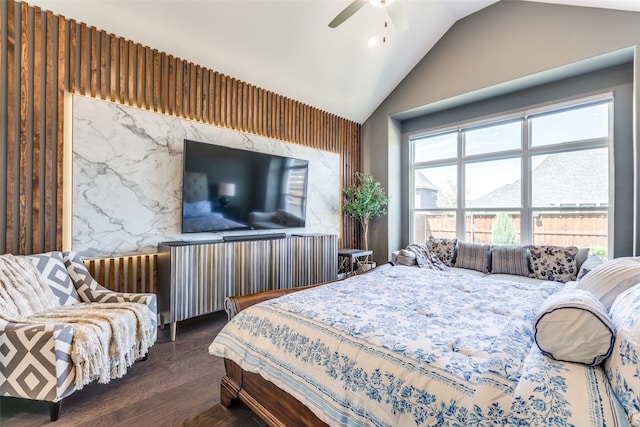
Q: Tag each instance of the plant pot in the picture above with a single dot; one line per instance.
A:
(366, 266)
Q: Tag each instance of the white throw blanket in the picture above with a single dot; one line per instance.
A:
(107, 337)
(22, 291)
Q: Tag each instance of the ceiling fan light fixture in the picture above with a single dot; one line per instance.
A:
(381, 3)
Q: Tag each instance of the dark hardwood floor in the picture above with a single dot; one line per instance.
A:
(178, 385)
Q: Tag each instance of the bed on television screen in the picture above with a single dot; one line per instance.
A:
(404, 346)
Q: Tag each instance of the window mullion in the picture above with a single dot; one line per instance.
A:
(460, 212)
(526, 219)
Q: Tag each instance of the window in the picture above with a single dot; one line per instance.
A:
(539, 177)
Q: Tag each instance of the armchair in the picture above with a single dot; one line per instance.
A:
(36, 356)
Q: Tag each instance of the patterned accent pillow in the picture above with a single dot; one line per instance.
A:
(474, 256)
(573, 326)
(611, 278)
(621, 367)
(592, 262)
(406, 257)
(554, 263)
(510, 260)
(54, 273)
(445, 249)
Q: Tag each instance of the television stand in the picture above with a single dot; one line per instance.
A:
(195, 278)
(250, 237)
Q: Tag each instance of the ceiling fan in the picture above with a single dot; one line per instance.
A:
(394, 10)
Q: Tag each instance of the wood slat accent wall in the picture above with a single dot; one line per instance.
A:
(43, 55)
(137, 273)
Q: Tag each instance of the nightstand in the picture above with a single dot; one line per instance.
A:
(352, 261)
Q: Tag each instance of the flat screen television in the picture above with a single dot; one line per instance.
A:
(227, 188)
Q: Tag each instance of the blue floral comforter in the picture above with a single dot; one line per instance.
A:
(414, 347)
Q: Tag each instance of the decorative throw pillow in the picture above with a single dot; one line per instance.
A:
(611, 278)
(573, 326)
(553, 263)
(474, 256)
(581, 256)
(54, 273)
(445, 249)
(621, 367)
(592, 262)
(406, 257)
(510, 260)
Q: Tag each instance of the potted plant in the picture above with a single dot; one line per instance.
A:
(365, 200)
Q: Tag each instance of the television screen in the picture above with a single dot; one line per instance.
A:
(227, 188)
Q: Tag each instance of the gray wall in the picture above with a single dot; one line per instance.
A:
(504, 48)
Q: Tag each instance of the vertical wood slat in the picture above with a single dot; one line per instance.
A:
(217, 99)
(54, 228)
(109, 67)
(161, 83)
(24, 143)
(178, 89)
(156, 83)
(185, 90)
(148, 66)
(102, 71)
(122, 71)
(51, 126)
(191, 92)
(113, 71)
(93, 60)
(171, 87)
(132, 73)
(72, 49)
(140, 73)
(37, 137)
(198, 94)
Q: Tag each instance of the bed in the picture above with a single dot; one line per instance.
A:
(404, 346)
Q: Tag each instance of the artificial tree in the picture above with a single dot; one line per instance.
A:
(364, 200)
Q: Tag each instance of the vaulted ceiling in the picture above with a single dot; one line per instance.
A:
(286, 46)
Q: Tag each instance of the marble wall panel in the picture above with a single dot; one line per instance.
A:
(127, 178)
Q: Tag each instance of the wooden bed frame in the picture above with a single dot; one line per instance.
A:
(272, 404)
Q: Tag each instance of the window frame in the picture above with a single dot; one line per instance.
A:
(526, 153)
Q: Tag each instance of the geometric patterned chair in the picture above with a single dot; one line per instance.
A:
(35, 359)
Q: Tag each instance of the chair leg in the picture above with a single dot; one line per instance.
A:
(54, 410)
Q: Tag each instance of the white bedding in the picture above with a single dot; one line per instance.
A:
(407, 346)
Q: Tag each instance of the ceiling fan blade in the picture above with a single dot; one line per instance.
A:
(397, 16)
(347, 12)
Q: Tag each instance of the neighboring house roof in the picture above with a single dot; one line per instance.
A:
(423, 182)
(580, 187)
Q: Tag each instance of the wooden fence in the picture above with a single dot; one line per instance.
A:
(582, 229)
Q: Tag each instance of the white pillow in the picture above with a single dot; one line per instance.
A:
(573, 326)
(610, 279)
(622, 366)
